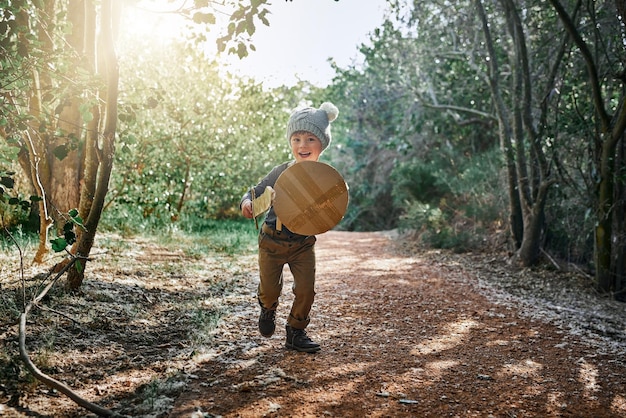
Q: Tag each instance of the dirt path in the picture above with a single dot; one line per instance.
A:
(401, 337)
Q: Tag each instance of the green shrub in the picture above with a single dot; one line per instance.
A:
(437, 228)
(415, 180)
(452, 208)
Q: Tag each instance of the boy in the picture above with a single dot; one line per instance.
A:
(308, 133)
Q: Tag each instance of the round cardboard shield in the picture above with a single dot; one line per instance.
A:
(311, 197)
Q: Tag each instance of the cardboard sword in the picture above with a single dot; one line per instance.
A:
(261, 204)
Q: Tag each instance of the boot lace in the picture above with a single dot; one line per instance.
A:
(301, 335)
(267, 314)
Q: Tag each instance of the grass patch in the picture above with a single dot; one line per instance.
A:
(24, 240)
(229, 237)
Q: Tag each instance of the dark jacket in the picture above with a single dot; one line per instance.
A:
(269, 180)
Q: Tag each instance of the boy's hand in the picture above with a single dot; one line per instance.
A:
(246, 208)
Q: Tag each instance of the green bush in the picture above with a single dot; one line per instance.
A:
(436, 228)
(415, 180)
(452, 207)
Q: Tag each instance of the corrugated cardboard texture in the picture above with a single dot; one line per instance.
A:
(311, 198)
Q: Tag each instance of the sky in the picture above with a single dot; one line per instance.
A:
(304, 34)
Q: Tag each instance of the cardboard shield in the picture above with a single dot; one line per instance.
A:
(311, 197)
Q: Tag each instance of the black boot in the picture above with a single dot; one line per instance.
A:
(267, 322)
(299, 341)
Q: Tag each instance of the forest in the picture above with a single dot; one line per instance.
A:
(472, 127)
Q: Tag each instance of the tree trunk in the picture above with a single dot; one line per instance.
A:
(532, 169)
(32, 154)
(611, 132)
(604, 227)
(534, 226)
(101, 152)
(619, 246)
(66, 173)
(516, 221)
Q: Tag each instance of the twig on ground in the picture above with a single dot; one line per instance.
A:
(53, 383)
(66, 316)
(32, 368)
(552, 260)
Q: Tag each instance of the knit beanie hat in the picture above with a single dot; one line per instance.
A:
(316, 121)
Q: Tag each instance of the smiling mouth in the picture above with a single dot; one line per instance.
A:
(305, 154)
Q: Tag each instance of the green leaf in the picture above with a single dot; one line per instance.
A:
(76, 219)
(263, 18)
(13, 140)
(60, 152)
(238, 14)
(241, 27)
(58, 244)
(221, 43)
(68, 226)
(130, 139)
(208, 18)
(251, 28)
(70, 237)
(7, 182)
(79, 266)
(231, 29)
(242, 51)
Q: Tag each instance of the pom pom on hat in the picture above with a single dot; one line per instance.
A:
(316, 121)
(331, 110)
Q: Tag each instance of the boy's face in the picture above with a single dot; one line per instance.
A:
(305, 146)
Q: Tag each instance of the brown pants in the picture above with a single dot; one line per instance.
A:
(276, 250)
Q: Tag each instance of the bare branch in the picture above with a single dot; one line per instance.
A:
(468, 110)
(32, 368)
(594, 79)
(49, 381)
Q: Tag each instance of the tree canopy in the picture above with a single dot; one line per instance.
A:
(470, 123)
